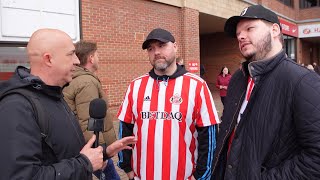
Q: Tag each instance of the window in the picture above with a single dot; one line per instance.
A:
(290, 47)
(20, 18)
(287, 2)
(309, 3)
(10, 58)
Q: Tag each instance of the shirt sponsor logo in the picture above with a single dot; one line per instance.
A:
(156, 115)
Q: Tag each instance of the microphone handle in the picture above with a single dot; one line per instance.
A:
(96, 143)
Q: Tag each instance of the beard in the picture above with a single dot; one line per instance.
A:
(263, 47)
(162, 66)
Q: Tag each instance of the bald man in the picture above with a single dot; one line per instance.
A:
(62, 153)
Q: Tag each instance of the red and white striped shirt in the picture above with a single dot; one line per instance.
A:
(165, 114)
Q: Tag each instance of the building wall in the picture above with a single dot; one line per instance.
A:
(305, 52)
(225, 9)
(277, 6)
(220, 8)
(120, 27)
(217, 51)
(310, 13)
(190, 42)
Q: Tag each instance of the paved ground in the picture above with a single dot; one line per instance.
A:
(218, 105)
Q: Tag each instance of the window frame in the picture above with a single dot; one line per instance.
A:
(302, 4)
(291, 4)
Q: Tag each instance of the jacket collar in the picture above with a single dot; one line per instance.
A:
(256, 69)
(83, 71)
(179, 72)
(23, 78)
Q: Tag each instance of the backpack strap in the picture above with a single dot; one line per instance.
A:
(42, 120)
(37, 107)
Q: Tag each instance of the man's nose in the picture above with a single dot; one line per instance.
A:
(76, 60)
(156, 50)
(241, 35)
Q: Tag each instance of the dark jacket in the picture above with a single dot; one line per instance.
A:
(278, 136)
(22, 153)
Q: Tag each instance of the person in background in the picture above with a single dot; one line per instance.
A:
(316, 68)
(202, 70)
(85, 87)
(309, 66)
(172, 114)
(61, 153)
(223, 80)
(180, 61)
(271, 116)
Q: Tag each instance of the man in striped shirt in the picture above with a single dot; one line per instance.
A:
(173, 116)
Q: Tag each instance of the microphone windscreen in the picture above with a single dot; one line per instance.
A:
(97, 108)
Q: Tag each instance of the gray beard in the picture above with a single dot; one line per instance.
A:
(163, 66)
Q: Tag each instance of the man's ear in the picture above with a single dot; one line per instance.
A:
(47, 58)
(276, 30)
(175, 47)
(91, 58)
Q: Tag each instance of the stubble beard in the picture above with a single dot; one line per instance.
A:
(163, 65)
(263, 47)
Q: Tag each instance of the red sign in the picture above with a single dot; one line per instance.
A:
(289, 28)
(193, 66)
(5, 75)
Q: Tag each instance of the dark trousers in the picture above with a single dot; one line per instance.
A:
(222, 99)
(109, 173)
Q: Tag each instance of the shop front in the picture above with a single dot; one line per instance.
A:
(309, 35)
(290, 34)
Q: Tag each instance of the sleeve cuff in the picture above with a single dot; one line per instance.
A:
(87, 162)
(105, 155)
(127, 169)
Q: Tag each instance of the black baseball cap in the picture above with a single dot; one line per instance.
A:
(160, 35)
(251, 12)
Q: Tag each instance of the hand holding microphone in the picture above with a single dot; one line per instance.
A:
(95, 155)
(92, 150)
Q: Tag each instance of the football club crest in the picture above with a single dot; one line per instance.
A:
(244, 12)
(176, 99)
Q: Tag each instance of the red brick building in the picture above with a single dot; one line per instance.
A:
(120, 26)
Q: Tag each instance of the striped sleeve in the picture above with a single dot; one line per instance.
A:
(125, 110)
(207, 111)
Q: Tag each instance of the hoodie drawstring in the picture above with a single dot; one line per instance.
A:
(165, 82)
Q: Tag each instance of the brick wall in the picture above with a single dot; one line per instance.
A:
(294, 12)
(217, 51)
(120, 27)
(310, 13)
(281, 8)
(190, 42)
